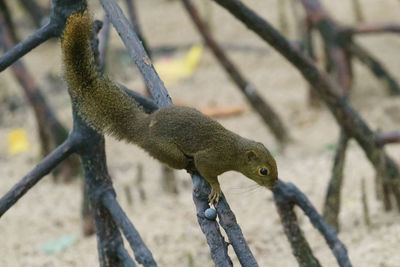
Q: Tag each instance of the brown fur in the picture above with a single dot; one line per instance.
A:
(177, 136)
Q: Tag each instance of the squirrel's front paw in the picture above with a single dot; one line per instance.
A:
(215, 194)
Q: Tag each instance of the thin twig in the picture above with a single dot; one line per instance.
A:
(332, 199)
(374, 28)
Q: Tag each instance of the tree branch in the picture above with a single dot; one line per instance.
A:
(124, 256)
(332, 199)
(61, 9)
(142, 253)
(228, 221)
(157, 89)
(345, 115)
(290, 193)
(300, 247)
(375, 67)
(259, 104)
(210, 228)
(43, 168)
(137, 52)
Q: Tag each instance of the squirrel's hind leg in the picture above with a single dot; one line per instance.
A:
(169, 154)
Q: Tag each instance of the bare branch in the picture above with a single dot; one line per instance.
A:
(142, 253)
(300, 247)
(40, 36)
(387, 138)
(259, 104)
(332, 199)
(131, 6)
(44, 167)
(124, 256)
(35, 11)
(137, 52)
(153, 82)
(375, 67)
(216, 242)
(345, 115)
(228, 221)
(290, 193)
(60, 11)
(375, 28)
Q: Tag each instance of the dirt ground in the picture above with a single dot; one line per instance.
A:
(168, 222)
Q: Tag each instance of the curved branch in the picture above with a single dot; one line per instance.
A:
(300, 247)
(289, 192)
(44, 167)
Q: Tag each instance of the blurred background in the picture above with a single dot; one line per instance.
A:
(45, 227)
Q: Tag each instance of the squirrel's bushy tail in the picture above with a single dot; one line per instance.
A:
(100, 102)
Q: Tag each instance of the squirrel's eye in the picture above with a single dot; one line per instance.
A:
(263, 171)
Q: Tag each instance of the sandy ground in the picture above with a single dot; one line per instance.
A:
(168, 222)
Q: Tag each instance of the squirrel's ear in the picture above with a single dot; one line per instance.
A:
(251, 155)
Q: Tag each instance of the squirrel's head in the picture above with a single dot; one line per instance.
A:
(260, 166)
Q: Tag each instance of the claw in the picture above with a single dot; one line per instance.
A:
(215, 194)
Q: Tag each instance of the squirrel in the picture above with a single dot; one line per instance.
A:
(180, 137)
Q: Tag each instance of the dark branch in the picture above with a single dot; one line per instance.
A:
(375, 28)
(137, 52)
(142, 253)
(266, 112)
(124, 256)
(376, 68)
(43, 34)
(45, 167)
(387, 138)
(346, 117)
(332, 199)
(158, 91)
(34, 10)
(291, 194)
(300, 247)
(228, 221)
(216, 242)
(61, 9)
(131, 6)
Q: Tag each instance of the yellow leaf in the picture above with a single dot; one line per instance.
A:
(17, 142)
(173, 70)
